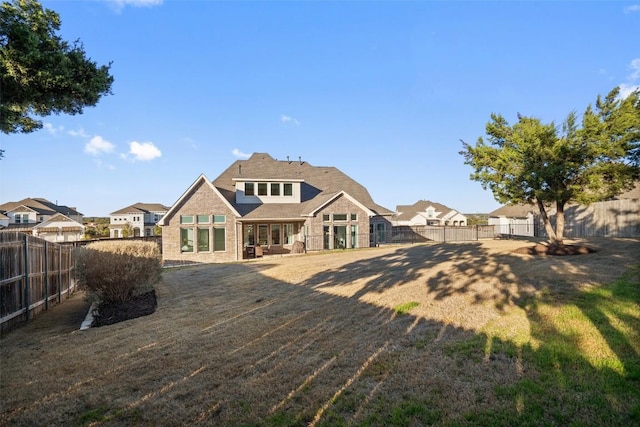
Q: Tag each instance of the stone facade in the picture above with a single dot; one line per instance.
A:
(202, 201)
(342, 205)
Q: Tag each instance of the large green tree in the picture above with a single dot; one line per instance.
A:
(40, 73)
(551, 166)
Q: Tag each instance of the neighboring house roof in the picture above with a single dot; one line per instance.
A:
(69, 224)
(514, 211)
(141, 208)
(634, 193)
(41, 206)
(408, 212)
(320, 185)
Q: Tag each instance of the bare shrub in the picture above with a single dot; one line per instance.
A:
(117, 271)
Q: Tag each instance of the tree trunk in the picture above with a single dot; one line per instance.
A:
(553, 239)
(559, 223)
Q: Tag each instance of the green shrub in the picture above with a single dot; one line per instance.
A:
(116, 271)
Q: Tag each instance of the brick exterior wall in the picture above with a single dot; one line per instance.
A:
(342, 205)
(202, 201)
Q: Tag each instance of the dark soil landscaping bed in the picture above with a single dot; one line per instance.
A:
(541, 249)
(114, 312)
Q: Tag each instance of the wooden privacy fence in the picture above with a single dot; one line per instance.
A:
(34, 275)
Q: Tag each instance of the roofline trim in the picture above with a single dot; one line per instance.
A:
(369, 212)
(191, 187)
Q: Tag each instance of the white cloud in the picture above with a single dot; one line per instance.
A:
(144, 151)
(632, 79)
(52, 129)
(80, 133)
(98, 145)
(626, 89)
(635, 67)
(239, 154)
(118, 5)
(288, 119)
(631, 9)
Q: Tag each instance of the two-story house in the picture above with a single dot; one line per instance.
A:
(43, 219)
(425, 212)
(139, 219)
(263, 205)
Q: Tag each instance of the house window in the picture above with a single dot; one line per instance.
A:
(186, 240)
(203, 219)
(18, 219)
(325, 217)
(275, 188)
(248, 189)
(203, 240)
(219, 238)
(354, 233)
(263, 234)
(186, 219)
(326, 236)
(147, 232)
(354, 217)
(25, 218)
(288, 234)
(262, 189)
(288, 189)
(249, 235)
(339, 217)
(381, 231)
(219, 219)
(275, 234)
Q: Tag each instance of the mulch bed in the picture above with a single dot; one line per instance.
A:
(541, 249)
(114, 312)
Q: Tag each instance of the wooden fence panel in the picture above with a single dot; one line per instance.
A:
(34, 274)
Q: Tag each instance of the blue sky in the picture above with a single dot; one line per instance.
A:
(382, 90)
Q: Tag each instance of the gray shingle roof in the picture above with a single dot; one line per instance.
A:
(40, 205)
(407, 212)
(141, 208)
(320, 184)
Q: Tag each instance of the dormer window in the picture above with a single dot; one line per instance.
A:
(268, 191)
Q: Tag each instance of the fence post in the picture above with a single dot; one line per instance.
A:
(26, 274)
(68, 252)
(46, 276)
(59, 273)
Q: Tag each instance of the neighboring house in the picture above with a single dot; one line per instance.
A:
(140, 218)
(425, 212)
(44, 219)
(263, 205)
(59, 228)
(4, 221)
(518, 220)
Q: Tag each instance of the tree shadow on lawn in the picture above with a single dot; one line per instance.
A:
(529, 284)
(229, 345)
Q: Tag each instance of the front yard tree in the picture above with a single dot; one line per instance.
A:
(41, 74)
(549, 165)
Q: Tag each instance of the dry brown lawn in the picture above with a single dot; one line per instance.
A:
(307, 339)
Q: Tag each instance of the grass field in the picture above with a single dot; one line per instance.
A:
(443, 334)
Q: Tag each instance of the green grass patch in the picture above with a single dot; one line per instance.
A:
(402, 309)
(581, 364)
